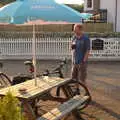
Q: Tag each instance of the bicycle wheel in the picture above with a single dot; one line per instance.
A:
(82, 89)
(4, 80)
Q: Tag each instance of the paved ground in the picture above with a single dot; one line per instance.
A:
(103, 82)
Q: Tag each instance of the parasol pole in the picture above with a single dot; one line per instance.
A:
(34, 55)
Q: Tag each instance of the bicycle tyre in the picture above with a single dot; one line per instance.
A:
(87, 93)
(4, 80)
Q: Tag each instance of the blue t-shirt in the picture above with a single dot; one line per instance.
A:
(82, 45)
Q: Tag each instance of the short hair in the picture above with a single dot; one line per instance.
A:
(80, 26)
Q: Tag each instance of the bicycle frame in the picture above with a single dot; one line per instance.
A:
(57, 70)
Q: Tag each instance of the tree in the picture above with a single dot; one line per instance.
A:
(79, 8)
(4, 2)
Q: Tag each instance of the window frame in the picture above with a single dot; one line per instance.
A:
(89, 2)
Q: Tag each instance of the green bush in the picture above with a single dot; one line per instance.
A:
(10, 108)
(24, 35)
(104, 35)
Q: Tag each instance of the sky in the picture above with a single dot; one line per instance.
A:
(70, 1)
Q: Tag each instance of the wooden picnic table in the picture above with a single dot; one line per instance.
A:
(44, 85)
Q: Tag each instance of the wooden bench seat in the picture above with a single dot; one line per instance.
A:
(63, 109)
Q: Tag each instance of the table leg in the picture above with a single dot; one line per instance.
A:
(34, 106)
(69, 94)
(28, 110)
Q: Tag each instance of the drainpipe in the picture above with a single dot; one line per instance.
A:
(116, 11)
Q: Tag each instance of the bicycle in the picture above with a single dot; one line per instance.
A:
(23, 77)
(4, 79)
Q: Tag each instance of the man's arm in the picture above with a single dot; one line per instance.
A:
(86, 56)
(73, 46)
(87, 45)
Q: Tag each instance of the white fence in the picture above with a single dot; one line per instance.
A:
(18, 45)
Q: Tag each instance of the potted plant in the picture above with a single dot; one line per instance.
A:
(10, 108)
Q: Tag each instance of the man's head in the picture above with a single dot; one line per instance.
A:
(78, 29)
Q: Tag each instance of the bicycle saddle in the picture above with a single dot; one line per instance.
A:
(28, 63)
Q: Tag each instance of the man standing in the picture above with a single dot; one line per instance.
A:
(80, 52)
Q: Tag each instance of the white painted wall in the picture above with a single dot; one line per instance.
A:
(118, 16)
(110, 5)
(85, 6)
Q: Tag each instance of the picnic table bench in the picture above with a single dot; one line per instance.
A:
(63, 109)
(34, 93)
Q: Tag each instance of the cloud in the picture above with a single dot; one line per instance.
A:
(70, 1)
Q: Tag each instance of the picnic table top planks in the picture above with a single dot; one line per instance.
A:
(44, 84)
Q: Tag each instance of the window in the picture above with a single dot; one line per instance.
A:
(97, 44)
(89, 3)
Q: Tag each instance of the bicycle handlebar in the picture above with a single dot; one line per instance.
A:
(55, 71)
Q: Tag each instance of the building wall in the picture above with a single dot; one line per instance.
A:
(118, 16)
(85, 6)
(96, 4)
(110, 5)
